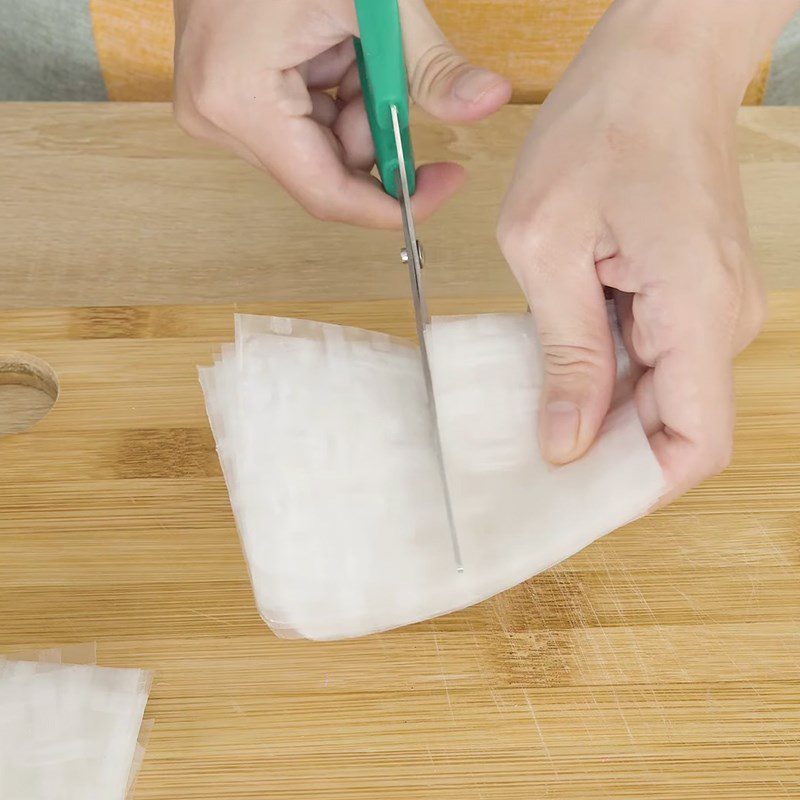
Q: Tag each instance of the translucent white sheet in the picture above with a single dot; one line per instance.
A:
(326, 446)
(69, 731)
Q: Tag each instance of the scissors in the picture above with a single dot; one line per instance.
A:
(382, 71)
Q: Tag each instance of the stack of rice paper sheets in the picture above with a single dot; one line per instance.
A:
(326, 444)
(69, 731)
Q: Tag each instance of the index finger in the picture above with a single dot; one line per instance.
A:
(306, 158)
(688, 399)
(307, 162)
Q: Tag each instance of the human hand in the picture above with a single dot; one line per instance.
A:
(252, 75)
(629, 180)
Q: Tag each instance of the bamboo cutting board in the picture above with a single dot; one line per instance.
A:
(110, 204)
(661, 662)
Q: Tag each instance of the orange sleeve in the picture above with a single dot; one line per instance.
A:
(134, 40)
(529, 41)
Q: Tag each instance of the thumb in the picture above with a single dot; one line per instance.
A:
(441, 81)
(569, 309)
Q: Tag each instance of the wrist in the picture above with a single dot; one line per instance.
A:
(719, 43)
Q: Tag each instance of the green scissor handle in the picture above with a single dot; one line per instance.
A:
(382, 70)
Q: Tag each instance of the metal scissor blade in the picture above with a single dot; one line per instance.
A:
(413, 256)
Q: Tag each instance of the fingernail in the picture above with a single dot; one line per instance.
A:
(561, 423)
(473, 84)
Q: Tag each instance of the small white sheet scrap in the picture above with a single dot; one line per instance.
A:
(69, 731)
(326, 445)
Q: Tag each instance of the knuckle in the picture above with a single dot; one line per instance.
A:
(212, 102)
(198, 96)
(186, 118)
(436, 64)
(320, 207)
(740, 298)
(568, 359)
(720, 296)
(660, 321)
(523, 241)
(505, 229)
(510, 235)
(754, 313)
(716, 455)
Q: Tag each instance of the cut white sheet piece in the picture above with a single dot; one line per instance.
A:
(69, 731)
(325, 441)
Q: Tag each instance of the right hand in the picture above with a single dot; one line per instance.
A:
(252, 75)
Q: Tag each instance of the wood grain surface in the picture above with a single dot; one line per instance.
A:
(661, 662)
(111, 204)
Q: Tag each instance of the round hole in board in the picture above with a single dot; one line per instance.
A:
(28, 390)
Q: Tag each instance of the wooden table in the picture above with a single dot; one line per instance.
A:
(662, 662)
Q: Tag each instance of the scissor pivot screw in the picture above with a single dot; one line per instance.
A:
(420, 254)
